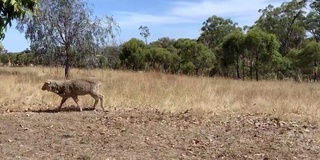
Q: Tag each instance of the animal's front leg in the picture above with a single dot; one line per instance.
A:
(62, 101)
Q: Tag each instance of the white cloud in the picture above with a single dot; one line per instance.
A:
(134, 19)
(198, 11)
(224, 8)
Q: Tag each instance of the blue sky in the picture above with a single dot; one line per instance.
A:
(164, 18)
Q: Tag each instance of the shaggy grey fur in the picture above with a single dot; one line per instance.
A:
(73, 88)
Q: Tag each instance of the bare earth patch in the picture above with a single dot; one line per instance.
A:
(150, 134)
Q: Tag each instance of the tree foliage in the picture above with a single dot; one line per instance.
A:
(286, 22)
(144, 32)
(309, 58)
(14, 9)
(214, 29)
(197, 54)
(312, 20)
(132, 55)
(263, 49)
(187, 54)
(233, 50)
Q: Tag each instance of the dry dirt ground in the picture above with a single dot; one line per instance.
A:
(150, 134)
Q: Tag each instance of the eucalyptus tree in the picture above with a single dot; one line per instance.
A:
(132, 54)
(309, 57)
(214, 29)
(312, 21)
(263, 51)
(233, 49)
(161, 59)
(67, 29)
(144, 32)
(286, 22)
(165, 42)
(196, 58)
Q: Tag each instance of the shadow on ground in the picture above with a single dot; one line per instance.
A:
(63, 109)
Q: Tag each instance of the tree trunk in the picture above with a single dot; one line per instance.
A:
(251, 70)
(257, 67)
(289, 32)
(243, 65)
(315, 70)
(67, 68)
(238, 71)
(67, 63)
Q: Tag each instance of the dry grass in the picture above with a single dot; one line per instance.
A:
(21, 89)
(224, 122)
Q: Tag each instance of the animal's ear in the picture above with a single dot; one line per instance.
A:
(48, 82)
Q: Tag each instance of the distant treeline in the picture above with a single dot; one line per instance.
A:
(282, 43)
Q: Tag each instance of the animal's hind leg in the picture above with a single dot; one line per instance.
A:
(75, 98)
(101, 97)
(98, 97)
(96, 101)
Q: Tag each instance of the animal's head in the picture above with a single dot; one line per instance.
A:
(50, 86)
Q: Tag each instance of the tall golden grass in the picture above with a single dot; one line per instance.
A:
(20, 90)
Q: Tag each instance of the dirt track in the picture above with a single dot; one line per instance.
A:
(149, 134)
